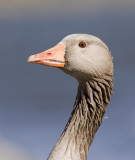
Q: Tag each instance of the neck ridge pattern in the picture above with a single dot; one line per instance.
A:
(91, 102)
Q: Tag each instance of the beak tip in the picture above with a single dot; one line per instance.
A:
(30, 59)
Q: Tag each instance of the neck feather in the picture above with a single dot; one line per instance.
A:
(91, 102)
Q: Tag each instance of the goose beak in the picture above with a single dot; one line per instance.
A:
(53, 57)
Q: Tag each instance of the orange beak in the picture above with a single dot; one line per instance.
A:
(53, 57)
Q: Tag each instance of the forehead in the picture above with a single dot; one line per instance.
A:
(77, 37)
(83, 37)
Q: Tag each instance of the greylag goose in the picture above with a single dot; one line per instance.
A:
(89, 60)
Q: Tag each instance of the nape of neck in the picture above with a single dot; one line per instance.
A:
(91, 102)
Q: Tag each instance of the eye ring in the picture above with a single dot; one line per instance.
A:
(82, 44)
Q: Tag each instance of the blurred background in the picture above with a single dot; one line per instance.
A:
(36, 101)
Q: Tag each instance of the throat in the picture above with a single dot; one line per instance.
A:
(90, 105)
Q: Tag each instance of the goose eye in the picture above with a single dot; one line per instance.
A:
(82, 44)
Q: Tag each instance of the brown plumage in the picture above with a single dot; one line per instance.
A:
(88, 59)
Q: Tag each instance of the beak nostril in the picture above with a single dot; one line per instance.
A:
(49, 53)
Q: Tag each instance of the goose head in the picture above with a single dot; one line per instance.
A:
(82, 56)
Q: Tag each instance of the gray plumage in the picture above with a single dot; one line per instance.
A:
(92, 66)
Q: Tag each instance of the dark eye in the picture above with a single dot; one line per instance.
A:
(82, 44)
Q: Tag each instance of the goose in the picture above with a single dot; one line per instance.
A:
(87, 59)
